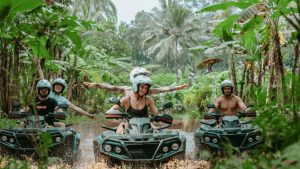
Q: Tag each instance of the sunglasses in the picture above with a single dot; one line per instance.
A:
(143, 73)
(44, 89)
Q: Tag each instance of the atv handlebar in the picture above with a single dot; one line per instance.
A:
(246, 114)
(217, 115)
(57, 115)
(17, 115)
(116, 114)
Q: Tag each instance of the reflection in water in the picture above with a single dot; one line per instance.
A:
(89, 131)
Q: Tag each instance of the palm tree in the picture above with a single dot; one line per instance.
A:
(94, 10)
(171, 31)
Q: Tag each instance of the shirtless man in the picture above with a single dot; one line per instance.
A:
(228, 104)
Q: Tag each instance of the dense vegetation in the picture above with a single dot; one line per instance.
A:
(254, 43)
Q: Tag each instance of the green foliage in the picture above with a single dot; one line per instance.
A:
(289, 158)
(163, 79)
(223, 28)
(10, 8)
(6, 122)
(9, 163)
(206, 90)
(43, 147)
(199, 97)
(224, 6)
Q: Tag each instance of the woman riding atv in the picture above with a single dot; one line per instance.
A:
(137, 102)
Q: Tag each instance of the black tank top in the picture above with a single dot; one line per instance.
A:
(138, 113)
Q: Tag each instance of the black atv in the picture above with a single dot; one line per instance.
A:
(141, 142)
(27, 140)
(216, 132)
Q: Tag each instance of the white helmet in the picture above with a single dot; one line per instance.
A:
(59, 81)
(138, 71)
(227, 83)
(43, 84)
(141, 79)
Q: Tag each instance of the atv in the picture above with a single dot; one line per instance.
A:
(28, 139)
(141, 142)
(216, 132)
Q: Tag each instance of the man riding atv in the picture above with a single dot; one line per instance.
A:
(44, 104)
(225, 126)
(228, 104)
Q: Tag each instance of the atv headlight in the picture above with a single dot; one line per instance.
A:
(107, 148)
(57, 139)
(4, 138)
(206, 139)
(165, 149)
(11, 140)
(118, 149)
(257, 137)
(250, 139)
(215, 140)
(175, 146)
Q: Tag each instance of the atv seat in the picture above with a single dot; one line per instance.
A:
(211, 123)
(109, 128)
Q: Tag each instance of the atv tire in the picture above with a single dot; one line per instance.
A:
(99, 157)
(179, 156)
(65, 151)
(204, 152)
(3, 151)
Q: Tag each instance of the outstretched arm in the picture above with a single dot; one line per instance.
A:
(106, 86)
(82, 112)
(167, 89)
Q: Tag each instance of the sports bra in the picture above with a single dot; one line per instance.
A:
(138, 113)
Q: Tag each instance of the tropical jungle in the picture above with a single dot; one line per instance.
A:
(253, 43)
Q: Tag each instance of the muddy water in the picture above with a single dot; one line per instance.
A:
(89, 131)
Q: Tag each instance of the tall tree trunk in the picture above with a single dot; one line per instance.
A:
(4, 78)
(296, 56)
(15, 92)
(295, 90)
(72, 79)
(175, 53)
(271, 80)
(281, 95)
(38, 67)
(264, 65)
(233, 74)
(243, 81)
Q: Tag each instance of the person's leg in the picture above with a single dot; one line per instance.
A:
(59, 124)
(121, 128)
(22, 124)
